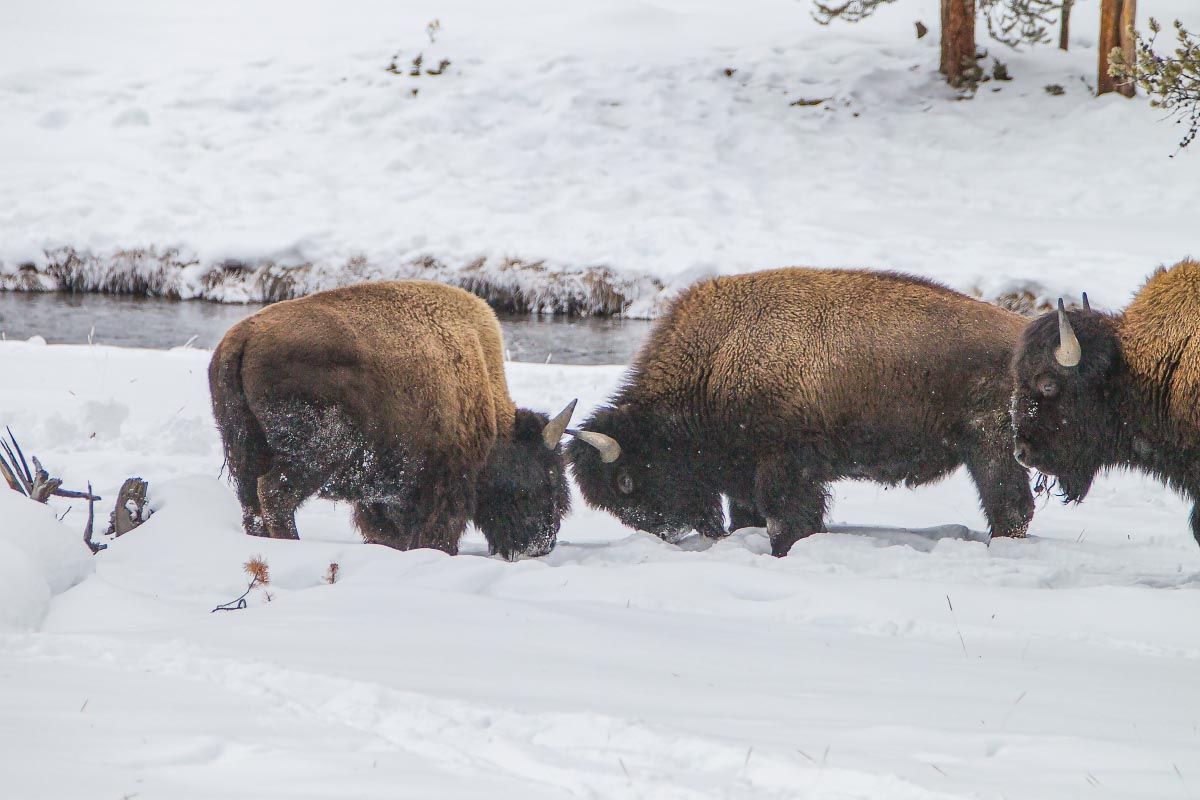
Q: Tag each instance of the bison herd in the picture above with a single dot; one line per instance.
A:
(761, 389)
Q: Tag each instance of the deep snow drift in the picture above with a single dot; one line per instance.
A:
(887, 659)
(585, 156)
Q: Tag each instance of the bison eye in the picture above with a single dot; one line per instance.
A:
(1047, 387)
(625, 483)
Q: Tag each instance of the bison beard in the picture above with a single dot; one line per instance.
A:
(390, 396)
(767, 387)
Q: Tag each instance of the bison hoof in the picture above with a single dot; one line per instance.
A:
(1021, 534)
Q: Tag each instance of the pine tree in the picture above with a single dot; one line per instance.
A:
(1173, 82)
(1012, 22)
(1116, 33)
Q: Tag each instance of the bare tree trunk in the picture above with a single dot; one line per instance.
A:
(1064, 27)
(1116, 19)
(958, 39)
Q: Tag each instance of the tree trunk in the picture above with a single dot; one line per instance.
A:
(958, 39)
(1064, 27)
(1116, 19)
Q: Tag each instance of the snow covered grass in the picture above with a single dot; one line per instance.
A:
(886, 659)
(578, 156)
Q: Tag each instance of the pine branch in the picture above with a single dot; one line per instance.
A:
(1172, 81)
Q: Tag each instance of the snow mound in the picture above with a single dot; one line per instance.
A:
(39, 558)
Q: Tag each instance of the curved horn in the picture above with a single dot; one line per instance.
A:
(555, 427)
(610, 451)
(1068, 351)
(1086, 305)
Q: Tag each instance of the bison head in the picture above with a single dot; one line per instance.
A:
(522, 493)
(1065, 421)
(635, 466)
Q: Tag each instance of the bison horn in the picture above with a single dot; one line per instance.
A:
(554, 428)
(610, 451)
(1086, 305)
(1068, 352)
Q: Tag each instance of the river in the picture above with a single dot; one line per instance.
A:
(149, 322)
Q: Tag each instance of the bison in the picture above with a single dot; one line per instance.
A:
(766, 387)
(391, 396)
(1095, 390)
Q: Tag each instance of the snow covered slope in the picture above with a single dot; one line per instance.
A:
(897, 657)
(572, 155)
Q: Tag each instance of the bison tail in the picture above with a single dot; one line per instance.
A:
(247, 454)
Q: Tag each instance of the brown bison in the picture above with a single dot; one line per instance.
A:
(391, 396)
(766, 387)
(1095, 390)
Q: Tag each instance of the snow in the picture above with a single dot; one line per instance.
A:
(887, 658)
(586, 156)
(39, 557)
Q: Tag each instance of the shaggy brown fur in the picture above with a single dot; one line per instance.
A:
(1132, 401)
(392, 396)
(766, 387)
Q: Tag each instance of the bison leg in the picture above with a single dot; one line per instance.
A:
(1004, 493)
(247, 461)
(382, 523)
(793, 501)
(744, 515)
(280, 497)
(435, 516)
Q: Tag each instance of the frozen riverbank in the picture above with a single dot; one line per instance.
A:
(588, 157)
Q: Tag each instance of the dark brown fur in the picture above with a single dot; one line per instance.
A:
(391, 396)
(767, 387)
(1132, 401)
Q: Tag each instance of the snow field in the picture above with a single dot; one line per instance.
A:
(885, 659)
(627, 147)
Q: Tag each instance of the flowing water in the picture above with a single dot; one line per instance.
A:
(155, 323)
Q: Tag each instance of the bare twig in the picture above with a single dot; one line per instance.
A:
(77, 495)
(24, 463)
(35, 484)
(256, 568)
(9, 476)
(956, 628)
(13, 467)
(87, 532)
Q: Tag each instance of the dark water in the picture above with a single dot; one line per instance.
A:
(147, 322)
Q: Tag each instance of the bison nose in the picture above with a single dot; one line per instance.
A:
(1021, 453)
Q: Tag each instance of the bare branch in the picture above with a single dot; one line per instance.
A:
(9, 476)
(849, 11)
(13, 467)
(87, 532)
(24, 464)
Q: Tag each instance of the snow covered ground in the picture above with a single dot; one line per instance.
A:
(612, 149)
(585, 155)
(888, 659)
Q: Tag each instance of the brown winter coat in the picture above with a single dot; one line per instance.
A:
(391, 395)
(766, 387)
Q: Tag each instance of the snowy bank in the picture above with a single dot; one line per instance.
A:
(586, 157)
(39, 558)
(897, 656)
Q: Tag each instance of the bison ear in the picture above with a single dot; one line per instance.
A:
(610, 451)
(554, 428)
(1068, 353)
